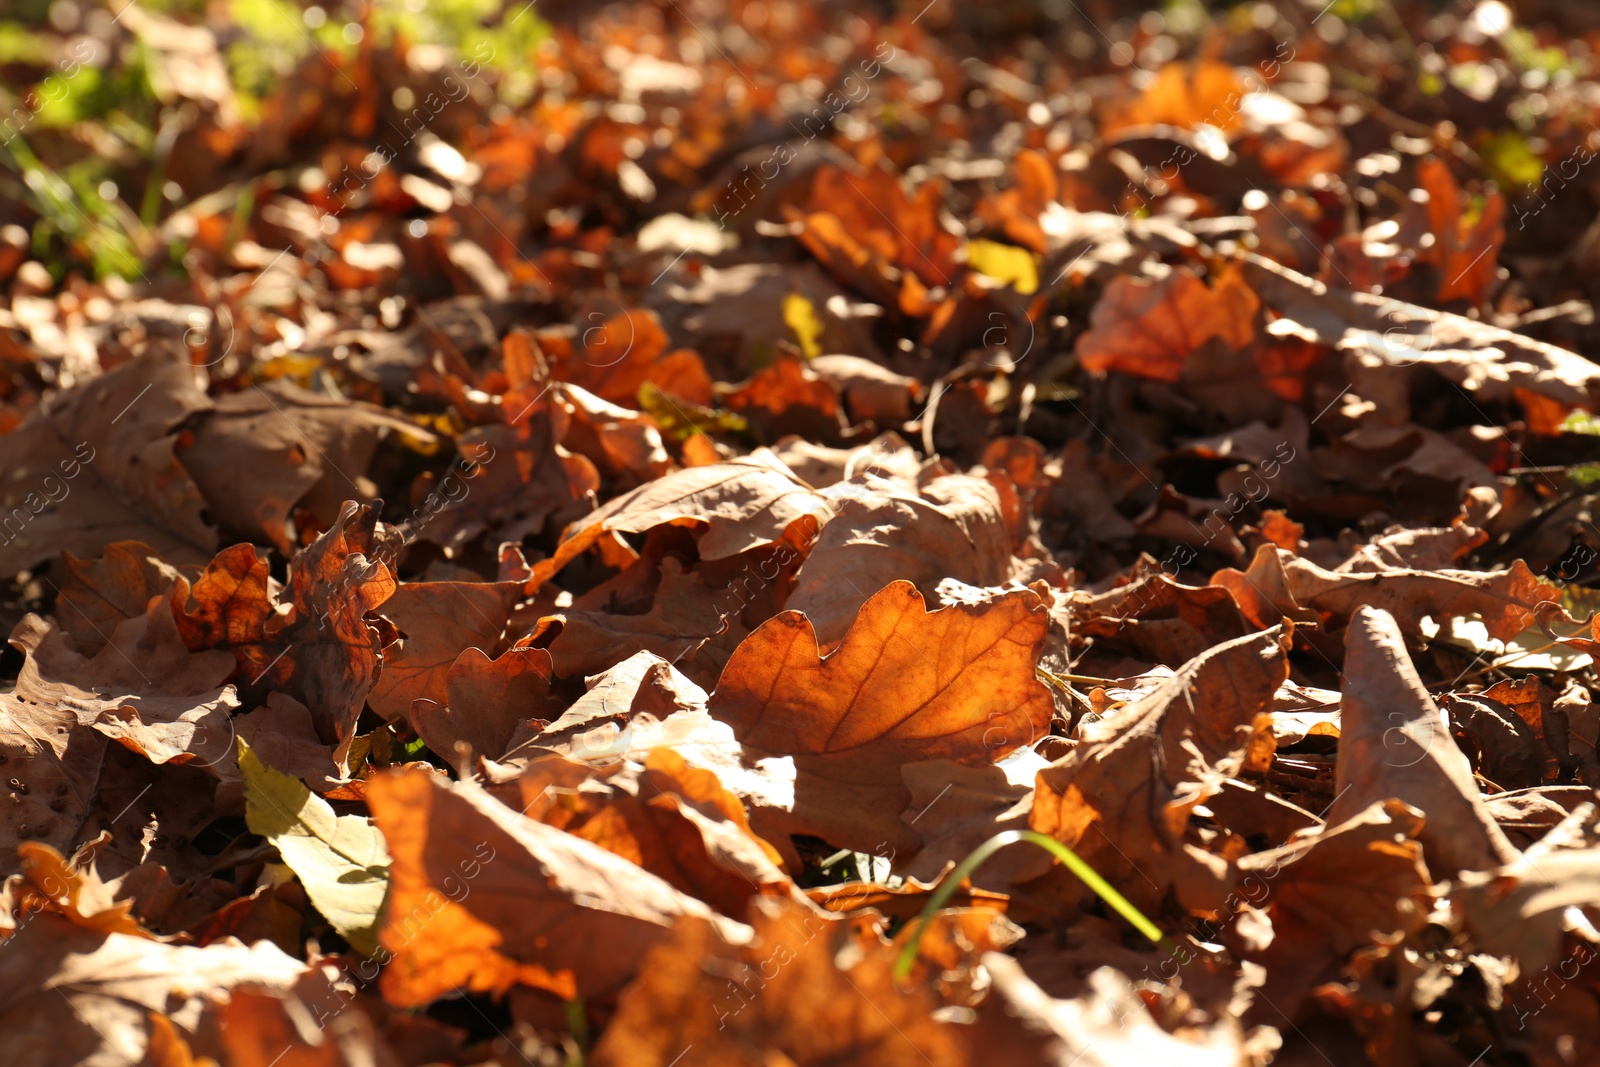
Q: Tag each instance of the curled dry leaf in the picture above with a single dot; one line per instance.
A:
(1108, 1026)
(744, 504)
(1490, 361)
(683, 615)
(1123, 796)
(73, 995)
(299, 447)
(1331, 891)
(145, 689)
(97, 594)
(807, 987)
(1395, 742)
(671, 819)
(1520, 909)
(482, 899)
(903, 684)
(324, 651)
(1279, 584)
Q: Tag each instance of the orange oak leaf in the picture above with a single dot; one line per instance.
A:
(482, 899)
(1151, 328)
(904, 684)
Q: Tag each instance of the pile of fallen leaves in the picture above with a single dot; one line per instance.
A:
(563, 579)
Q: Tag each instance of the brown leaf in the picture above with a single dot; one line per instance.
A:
(1186, 95)
(99, 593)
(437, 621)
(1279, 584)
(72, 995)
(1151, 328)
(671, 819)
(1396, 743)
(871, 391)
(683, 615)
(1123, 796)
(616, 354)
(296, 445)
(487, 701)
(481, 900)
(1520, 909)
(745, 503)
(904, 684)
(1467, 255)
(808, 989)
(880, 533)
(1108, 1026)
(324, 652)
(1488, 361)
(96, 464)
(1332, 891)
(145, 689)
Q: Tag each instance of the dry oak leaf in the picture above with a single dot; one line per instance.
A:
(781, 386)
(1521, 909)
(1279, 584)
(1151, 328)
(324, 651)
(1123, 796)
(1187, 95)
(871, 391)
(298, 446)
(684, 614)
(50, 883)
(1395, 742)
(482, 899)
(54, 722)
(620, 442)
(487, 701)
(97, 594)
(881, 532)
(1332, 891)
(808, 991)
(1016, 210)
(95, 464)
(73, 995)
(1161, 620)
(614, 356)
(1487, 361)
(904, 684)
(144, 690)
(671, 819)
(744, 503)
(255, 1029)
(437, 621)
(1109, 1025)
(956, 808)
(901, 229)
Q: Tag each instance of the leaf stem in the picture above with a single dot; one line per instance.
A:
(1070, 859)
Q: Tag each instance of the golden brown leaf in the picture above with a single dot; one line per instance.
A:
(1151, 328)
(1123, 796)
(904, 684)
(808, 989)
(481, 899)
